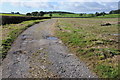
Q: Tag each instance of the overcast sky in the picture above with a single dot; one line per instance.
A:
(77, 6)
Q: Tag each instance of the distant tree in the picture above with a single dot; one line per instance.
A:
(41, 13)
(102, 13)
(12, 12)
(17, 13)
(111, 12)
(38, 14)
(59, 13)
(28, 14)
(97, 14)
(34, 13)
(81, 14)
(50, 14)
(115, 11)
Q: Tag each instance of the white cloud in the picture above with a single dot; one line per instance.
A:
(41, 5)
(92, 0)
(67, 5)
(59, 0)
(88, 6)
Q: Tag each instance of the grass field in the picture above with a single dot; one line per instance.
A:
(84, 15)
(10, 33)
(94, 44)
(70, 15)
(110, 16)
(11, 15)
(67, 15)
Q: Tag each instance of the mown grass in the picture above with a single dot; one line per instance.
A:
(11, 31)
(11, 14)
(110, 16)
(84, 15)
(95, 44)
(67, 15)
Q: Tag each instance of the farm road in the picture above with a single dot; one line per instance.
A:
(37, 54)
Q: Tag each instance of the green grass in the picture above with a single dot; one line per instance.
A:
(85, 15)
(11, 31)
(11, 15)
(92, 43)
(110, 16)
(107, 71)
(67, 15)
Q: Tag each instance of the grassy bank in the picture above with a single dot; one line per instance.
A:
(94, 44)
(11, 31)
(11, 14)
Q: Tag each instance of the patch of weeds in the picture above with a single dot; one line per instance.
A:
(99, 54)
(106, 53)
(109, 41)
(89, 54)
(80, 51)
(110, 53)
(99, 42)
(106, 71)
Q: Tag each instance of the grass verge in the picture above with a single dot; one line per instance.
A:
(10, 32)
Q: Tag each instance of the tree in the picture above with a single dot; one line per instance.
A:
(111, 12)
(17, 13)
(34, 13)
(50, 14)
(81, 14)
(28, 14)
(97, 14)
(115, 11)
(103, 13)
(12, 12)
(41, 13)
(59, 13)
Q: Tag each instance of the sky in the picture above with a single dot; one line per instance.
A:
(76, 6)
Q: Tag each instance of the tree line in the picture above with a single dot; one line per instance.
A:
(115, 11)
(41, 13)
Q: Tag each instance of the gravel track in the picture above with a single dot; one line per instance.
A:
(37, 54)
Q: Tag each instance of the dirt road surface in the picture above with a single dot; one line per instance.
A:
(36, 53)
